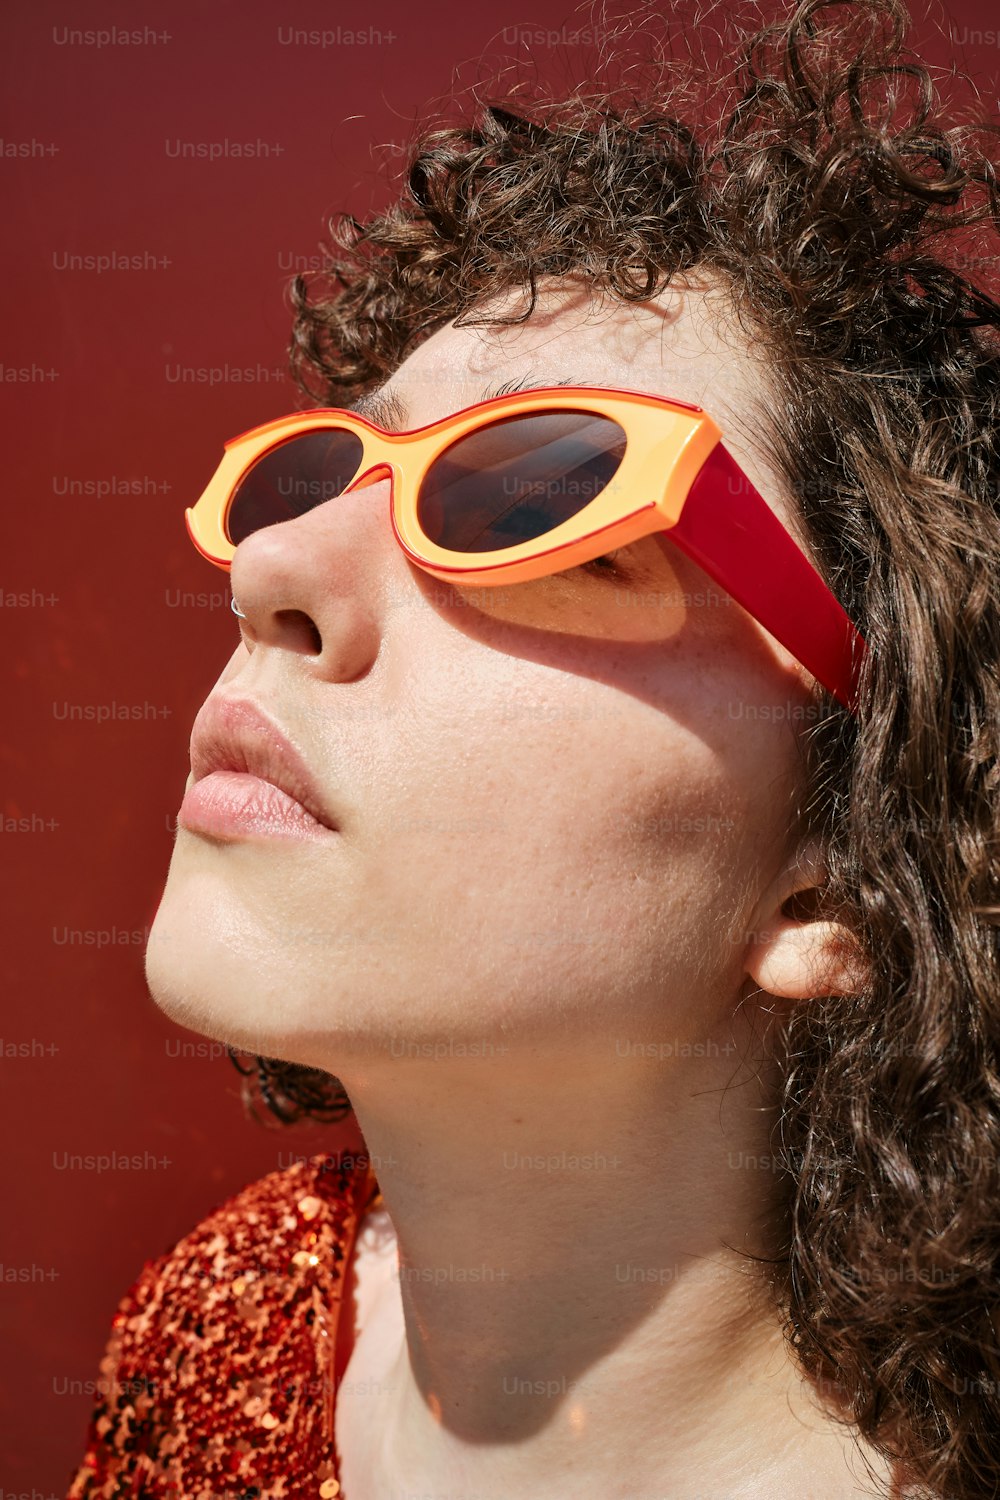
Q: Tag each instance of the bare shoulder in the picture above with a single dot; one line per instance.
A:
(380, 1333)
(375, 1262)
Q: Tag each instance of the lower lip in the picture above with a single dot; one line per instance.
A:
(234, 804)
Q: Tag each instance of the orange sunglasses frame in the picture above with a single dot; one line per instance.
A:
(693, 490)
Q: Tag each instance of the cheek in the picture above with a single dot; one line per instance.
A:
(558, 828)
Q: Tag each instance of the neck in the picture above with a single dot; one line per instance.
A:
(570, 1298)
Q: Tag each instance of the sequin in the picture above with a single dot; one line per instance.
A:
(217, 1379)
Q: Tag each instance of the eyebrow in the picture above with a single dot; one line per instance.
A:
(388, 409)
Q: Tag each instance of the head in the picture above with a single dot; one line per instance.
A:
(609, 803)
(595, 775)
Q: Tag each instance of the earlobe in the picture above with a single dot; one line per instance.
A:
(805, 956)
(800, 960)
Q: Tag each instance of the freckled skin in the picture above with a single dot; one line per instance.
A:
(564, 850)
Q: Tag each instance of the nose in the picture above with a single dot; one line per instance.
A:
(315, 585)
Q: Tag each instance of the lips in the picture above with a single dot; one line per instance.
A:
(233, 734)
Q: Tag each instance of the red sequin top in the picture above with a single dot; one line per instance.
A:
(218, 1379)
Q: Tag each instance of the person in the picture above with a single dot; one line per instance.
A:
(658, 967)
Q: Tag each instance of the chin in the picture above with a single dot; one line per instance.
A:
(196, 975)
(205, 973)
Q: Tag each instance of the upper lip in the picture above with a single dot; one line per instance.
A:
(234, 734)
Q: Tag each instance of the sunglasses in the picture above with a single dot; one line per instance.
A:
(538, 482)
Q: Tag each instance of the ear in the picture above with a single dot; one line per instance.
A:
(800, 956)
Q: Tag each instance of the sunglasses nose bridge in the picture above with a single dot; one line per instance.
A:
(371, 475)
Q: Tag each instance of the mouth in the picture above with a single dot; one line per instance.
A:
(235, 804)
(248, 778)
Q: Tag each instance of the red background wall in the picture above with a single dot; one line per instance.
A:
(94, 408)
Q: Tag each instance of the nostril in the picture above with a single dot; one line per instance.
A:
(302, 629)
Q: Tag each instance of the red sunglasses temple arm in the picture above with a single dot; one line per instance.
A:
(731, 532)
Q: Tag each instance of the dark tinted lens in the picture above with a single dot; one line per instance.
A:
(517, 479)
(291, 479)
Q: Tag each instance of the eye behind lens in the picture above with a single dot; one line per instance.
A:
(605, 564)
(293, 478)
(518, 478)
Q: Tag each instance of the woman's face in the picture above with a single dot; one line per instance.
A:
(559, 803)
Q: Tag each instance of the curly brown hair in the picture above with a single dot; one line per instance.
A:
(851, 226)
